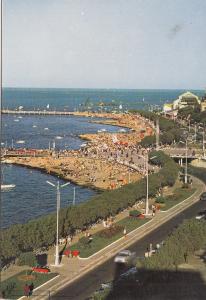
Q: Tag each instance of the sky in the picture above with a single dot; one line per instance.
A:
(128, 44)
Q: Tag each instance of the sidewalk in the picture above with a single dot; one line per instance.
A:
(74, 268)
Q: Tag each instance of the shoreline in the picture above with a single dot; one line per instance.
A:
(96, 166)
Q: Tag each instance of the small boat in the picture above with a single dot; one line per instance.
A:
(20, 142)
(102, 130)
(122, 130)
(2, 144)
(46, 128)
(16, 120)
(6, 187)
(59, 137)
(34, 126)
(83, 145)
(20, 117)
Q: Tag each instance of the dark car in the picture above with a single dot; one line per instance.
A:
(203, 196)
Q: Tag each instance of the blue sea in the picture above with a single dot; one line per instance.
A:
(79, 99)
(32, 197)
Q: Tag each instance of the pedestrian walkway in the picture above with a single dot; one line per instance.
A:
(73, 268)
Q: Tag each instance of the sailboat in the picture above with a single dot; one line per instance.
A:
(6, 187)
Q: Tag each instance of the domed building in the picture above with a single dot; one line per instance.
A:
(187, 99)
(184, 100)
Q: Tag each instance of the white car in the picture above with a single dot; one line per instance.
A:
(124, 257)
(201, 215)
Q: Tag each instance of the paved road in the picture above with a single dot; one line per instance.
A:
(82, 288)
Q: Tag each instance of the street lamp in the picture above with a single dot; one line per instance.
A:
(186, 144)
(146, 163)
(203, 139)
(58, 186)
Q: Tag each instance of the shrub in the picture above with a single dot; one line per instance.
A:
(134, 213)
(84, 241)
(160, 200)
(111, 231)
(28, 259)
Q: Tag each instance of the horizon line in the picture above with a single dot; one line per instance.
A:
(98, 88)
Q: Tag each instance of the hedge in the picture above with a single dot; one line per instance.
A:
(189, 237)
(41, 232)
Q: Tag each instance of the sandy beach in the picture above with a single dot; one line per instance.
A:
(102, 162)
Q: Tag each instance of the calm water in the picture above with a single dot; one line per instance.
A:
(76, 99)
(32, 197)
(63, 130)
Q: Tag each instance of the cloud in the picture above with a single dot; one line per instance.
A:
(175, 30)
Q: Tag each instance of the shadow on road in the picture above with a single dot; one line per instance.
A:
(159, 285)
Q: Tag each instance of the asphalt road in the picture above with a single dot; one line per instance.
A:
(82, 288)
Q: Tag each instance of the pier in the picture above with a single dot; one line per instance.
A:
(37, 112)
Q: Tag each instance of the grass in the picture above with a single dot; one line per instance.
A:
(179, 195)
(13, 287)
(99, 242)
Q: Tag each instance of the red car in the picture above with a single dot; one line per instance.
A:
(41, 269)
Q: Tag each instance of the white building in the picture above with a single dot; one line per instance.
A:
(184, 100)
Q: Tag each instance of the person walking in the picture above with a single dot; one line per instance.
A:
(26, 290)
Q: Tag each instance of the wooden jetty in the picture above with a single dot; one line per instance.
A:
(37, 112)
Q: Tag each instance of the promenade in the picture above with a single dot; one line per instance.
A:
(74, 268)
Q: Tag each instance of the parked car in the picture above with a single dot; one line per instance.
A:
(203, 196)
(41, 269)
(124, 257)
(201, 215)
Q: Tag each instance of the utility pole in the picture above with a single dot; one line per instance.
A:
(157, 134)
(186, 162)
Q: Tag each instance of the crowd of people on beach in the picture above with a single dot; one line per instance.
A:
(107, 160)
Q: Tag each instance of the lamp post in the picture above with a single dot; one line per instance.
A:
(146, 163)
(203, 139)
(186, 152)
(58, 186)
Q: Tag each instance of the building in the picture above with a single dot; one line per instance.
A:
(184, 100)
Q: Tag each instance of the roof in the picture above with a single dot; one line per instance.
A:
(188, 94)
